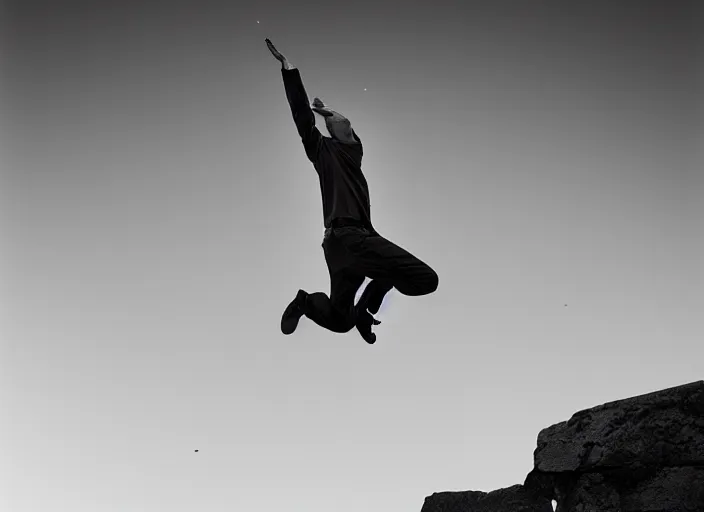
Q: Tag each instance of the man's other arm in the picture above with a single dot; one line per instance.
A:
(302, 114)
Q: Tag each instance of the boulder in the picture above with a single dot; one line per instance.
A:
(640, 454)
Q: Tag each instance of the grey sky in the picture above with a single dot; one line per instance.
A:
(158, 214)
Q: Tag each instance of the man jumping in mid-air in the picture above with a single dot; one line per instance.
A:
(353, 248)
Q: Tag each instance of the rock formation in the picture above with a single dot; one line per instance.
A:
(641, 454)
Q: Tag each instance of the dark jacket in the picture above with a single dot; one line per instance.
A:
(338, 164)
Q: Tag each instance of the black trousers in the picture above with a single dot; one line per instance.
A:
(353, 253)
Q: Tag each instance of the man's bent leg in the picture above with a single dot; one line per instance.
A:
(388, 264)
(336, 312)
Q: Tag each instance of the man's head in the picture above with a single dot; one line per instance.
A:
(339, 128)
(338, 125)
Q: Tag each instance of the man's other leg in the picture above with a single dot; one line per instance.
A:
(336, 312)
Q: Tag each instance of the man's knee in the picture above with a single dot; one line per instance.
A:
(345, 319)
(428, 283)
(423, 284)
(432, 281)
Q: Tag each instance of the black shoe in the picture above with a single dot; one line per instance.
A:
(364, 325)
(293, 313)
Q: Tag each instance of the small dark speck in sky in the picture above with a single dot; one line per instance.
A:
(196, 451)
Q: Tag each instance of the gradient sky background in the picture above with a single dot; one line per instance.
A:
(159, 213)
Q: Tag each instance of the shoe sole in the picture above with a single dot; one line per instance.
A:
(290, 318)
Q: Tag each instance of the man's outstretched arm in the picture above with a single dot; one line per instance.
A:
(300, 108)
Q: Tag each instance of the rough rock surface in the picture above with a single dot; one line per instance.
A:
(511, 499)
(641, 454)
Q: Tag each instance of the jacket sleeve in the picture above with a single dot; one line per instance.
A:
(302, 114)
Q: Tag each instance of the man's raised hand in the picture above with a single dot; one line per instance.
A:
(321, 108)
(277, 55)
